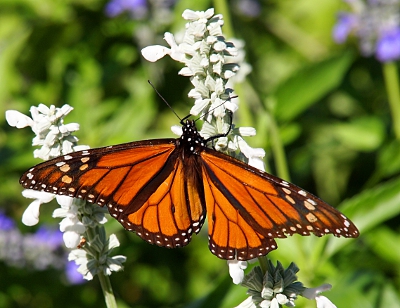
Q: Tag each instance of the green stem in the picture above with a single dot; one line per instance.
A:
(278, 151)
(107, 290)
(393, 93)
(263, 261)
(104, 279)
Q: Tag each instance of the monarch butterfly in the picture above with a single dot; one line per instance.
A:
(162, 189)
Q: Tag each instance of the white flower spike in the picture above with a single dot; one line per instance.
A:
(210, 63)
(55, 138)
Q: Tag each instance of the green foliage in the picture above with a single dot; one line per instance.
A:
(308, 86)
(329, 104)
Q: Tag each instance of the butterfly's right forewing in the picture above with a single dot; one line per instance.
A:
(143, 185)
(109, 175)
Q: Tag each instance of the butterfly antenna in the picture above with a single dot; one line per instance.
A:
(165, 101)
(229, 113)
(209, 111)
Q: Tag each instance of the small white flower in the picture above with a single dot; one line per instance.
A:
(215, 28)
(254, 155)
(201, 86)
(112, 242)
(194, 93)
(52, 135)
(63, 111)
(247, 131)
(114, 264)
(219, 46)
(247, 303)
(197, 30)
(273, 304)
(281, 299)
(236, 270)
(69, 128)
(186, 71)
(71, 238)
(199, 106)
(31, 214)
(81, 259)
(199, 16)
(156, 52)
(30, 217)
(322, 301)
(177, 129)
(89, 262)
(80, 148)
(71, 226)
(17, 119)
(312, 293)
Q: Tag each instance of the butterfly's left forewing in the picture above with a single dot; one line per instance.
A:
(109, 175)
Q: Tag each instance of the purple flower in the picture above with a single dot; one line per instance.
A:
(72, 274)
(137, 8)
(250, 8)
(388, 46)
(376, 24)
(346, 23)
(53, 238)
(6, 223)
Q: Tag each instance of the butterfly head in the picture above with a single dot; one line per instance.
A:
(191, 140)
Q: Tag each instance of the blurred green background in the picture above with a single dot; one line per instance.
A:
(329, 105)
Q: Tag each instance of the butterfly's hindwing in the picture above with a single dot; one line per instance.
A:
(171, 214)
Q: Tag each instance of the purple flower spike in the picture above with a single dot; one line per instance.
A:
(52, 237)
(388, 46)
(6, 223)
(137, 8)
(375, 24)
(346, 23)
